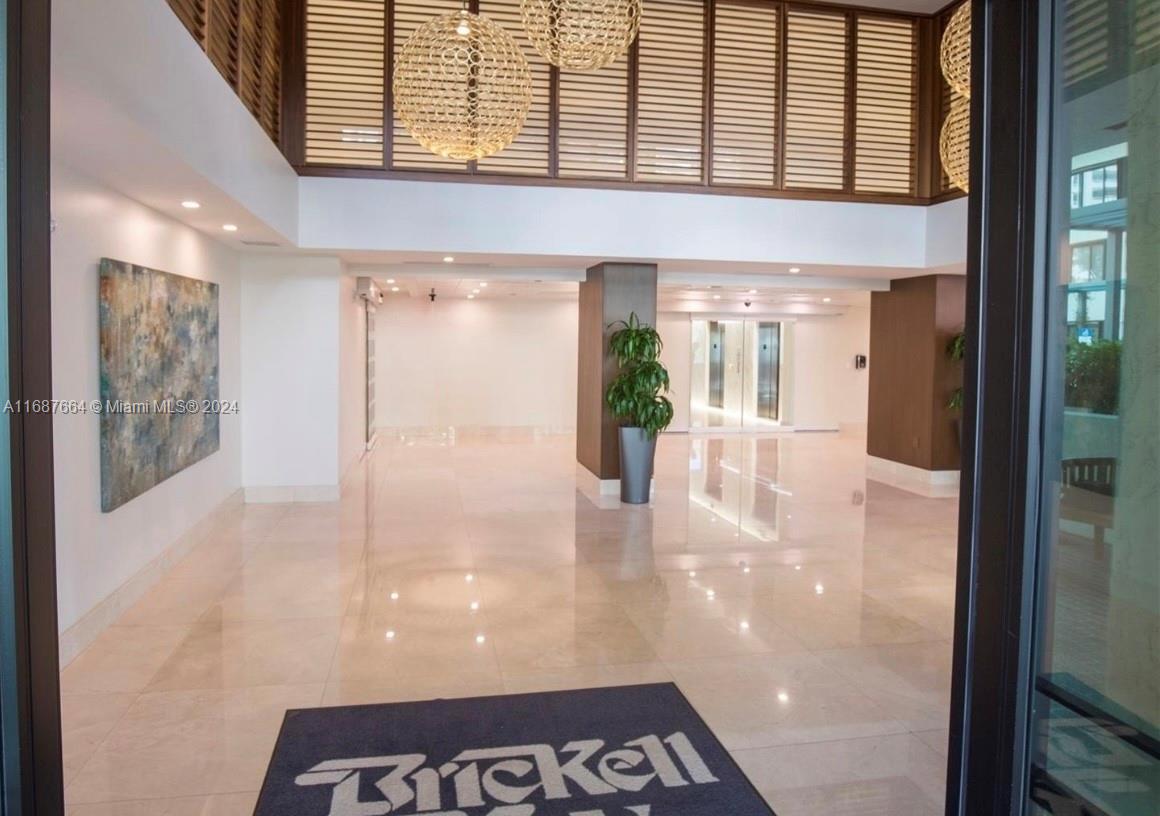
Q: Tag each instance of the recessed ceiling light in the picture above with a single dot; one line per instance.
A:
(716, 297)
(394, 288)
(448, 259)
(390, 280)
(793, 270)
(471, 297)
(826, 300)
(753, 291)
(230, 227)
(190, 205)
(483, 284)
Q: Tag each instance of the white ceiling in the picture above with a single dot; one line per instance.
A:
(757, 298)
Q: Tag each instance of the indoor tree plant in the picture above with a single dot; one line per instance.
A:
(636, 398)
(956, 351)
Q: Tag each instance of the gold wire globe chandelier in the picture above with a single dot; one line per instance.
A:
(461, 86)
(581, 35)
(954, 143)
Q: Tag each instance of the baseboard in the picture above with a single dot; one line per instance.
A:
(77, 637)
(451, 432)
(914, 479)
(288, 494)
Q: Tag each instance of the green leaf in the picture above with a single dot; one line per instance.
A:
(635, 394)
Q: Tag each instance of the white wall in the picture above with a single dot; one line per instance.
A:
(825, 391)
(496, 363)
(375, 214)
(946, 234)
(676, 334)
(352, 369)
(99, 552)
(136, 101)
(290, 377)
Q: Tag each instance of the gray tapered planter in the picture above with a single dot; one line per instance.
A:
(637, 451)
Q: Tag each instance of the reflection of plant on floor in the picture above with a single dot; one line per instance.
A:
(636, 395)
(956, 350)
(1092, 377)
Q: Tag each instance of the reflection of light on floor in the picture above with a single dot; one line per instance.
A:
(733, 416)
(755, 478)
(743, 526)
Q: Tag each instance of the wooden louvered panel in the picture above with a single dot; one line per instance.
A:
(270, 108)
(406, 153)
(1085, 40)
(249, 85)
(192, 16)
(745, 94)
(594, 122)
(670, 91)
(528, 154)
(815, 100)
(222, 37)
(344, 82)
(885, 144)
(1147, 23)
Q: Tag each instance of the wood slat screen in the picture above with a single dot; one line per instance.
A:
(670, 91)
(1147, 27)
(344, 82)
(529, 153)
(593, 129)
(1086, 43)
(222, 37)
(406, 153)
(751, 95)
(885, 139)
(192, 16)
(243, 40)
(746, 99)
(815, 99)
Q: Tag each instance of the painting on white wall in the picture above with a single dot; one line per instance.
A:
(159, 377)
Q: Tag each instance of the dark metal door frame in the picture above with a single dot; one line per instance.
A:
(31, 767)
(987, 766)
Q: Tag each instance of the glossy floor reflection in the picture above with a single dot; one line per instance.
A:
(805, 611)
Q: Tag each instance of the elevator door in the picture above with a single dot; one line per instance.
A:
(716, 365)
(768, 338)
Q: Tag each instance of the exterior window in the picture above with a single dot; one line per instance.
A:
(1087, 262)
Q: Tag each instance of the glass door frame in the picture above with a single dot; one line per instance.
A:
(30, 743)
(1005, 390)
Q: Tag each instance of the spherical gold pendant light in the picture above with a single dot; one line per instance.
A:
(581, 35)
(954, 144)
(955, 52)
(462, 87)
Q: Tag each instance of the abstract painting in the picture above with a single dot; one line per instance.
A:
(159, 377)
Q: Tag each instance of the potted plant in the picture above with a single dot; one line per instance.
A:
(636, 398)
(956, 350)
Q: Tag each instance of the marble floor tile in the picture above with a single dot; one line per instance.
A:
(86, 720)
(226, 804)
(122, 658)
(764, 700)
(804, 609)
(894, 775)
(188, 743)
(228, 654)
(911, 682)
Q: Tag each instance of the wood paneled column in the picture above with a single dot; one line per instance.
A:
(611, 292)
(911, 377)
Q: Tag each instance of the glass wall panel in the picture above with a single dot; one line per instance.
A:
(1096, 699)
